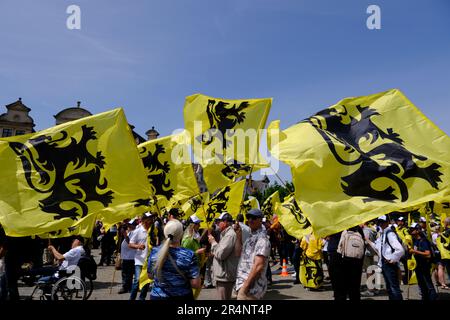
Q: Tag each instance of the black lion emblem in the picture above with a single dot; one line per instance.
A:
(267, 208)
(313, 270)
(295, 210)
(196, 203)
(158, 172)
(50, 158)
(385, 156)
(221, 118)
(217, 204)
(245, 207)
(235, 169)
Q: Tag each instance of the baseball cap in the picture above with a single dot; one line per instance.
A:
(400, 219)
(382, 218)
(423, 219)
(132, 221)
(255, 213)
(195, 219)
(225, 216)
(147, 215)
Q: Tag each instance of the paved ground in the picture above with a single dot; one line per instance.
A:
(281, 289)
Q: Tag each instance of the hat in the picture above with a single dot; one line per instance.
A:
(147, 215)
(423, 219)
(414, 225)
(195, 219)
(255, 213)
(382, 218)
(400, 219)
(264, 219)
(225, 216)
(132, 221)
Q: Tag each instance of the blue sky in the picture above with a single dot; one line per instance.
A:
(147, 56)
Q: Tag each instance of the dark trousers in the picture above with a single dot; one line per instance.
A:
(352, 271)
(390, 274)
(423, 274)
(3, 287)
(404, 262)
(127, 274)
(135, 286)
(296, 262)
(335, 271)
(12, 276)
(269, 274)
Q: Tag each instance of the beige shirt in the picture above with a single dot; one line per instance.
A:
(225, 260)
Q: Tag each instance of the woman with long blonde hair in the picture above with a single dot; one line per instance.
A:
(174, 269)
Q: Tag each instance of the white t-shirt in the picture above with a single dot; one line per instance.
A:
(72, 257)
(139, 236)
(127, 253)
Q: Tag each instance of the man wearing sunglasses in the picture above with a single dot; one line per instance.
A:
(251, 282)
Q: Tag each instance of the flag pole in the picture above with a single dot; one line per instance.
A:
(279, 178)
(245, 189)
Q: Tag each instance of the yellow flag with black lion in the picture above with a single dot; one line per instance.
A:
(57, 181)
(364, 157)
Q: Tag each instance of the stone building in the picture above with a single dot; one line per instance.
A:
(72, 113)
(16, 120)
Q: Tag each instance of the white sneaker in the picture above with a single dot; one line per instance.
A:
(294, 275)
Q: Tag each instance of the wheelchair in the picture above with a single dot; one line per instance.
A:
(59, 288)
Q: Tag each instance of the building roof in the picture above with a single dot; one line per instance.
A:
(69, 111)
(18, 105)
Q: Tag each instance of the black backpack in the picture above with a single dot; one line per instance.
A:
(405, 247)
(88, 267)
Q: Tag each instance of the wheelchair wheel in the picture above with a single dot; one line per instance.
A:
(89, 284)
(40, 292)
(69, 288)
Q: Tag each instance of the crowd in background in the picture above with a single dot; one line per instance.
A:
(170, 257)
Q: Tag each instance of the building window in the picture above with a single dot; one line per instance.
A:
(20, 132)
(7, 132)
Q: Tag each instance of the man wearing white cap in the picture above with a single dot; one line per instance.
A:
(423, 226)
(127, 256)
(390, 251)
(138, 241)
(225, 261)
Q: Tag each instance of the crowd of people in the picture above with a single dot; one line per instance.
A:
(170, 257)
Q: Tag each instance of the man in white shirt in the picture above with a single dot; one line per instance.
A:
(389, 251)
(139, 242)
(71, 257)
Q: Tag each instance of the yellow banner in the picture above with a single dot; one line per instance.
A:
(195, 205)
(364, 157)
(292, 218)
(268, 207)
(169, 168)
(227, 199)
(225, 130)
(251, 203)
(54, 179)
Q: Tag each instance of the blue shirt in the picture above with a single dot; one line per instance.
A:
(423, 245)
(172, 283)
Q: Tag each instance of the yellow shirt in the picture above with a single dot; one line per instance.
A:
(313, 247)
